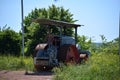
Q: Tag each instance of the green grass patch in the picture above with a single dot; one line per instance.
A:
(16, 63)
(99, 67)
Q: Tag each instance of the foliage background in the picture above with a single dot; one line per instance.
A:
(10, 42)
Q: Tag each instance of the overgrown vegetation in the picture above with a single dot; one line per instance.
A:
(9, 42)
(99, 67)
(16, 63)
(103, 64)
(85, 42)
(105, 46)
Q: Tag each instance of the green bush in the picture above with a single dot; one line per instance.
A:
(99, 67)
(9, 42)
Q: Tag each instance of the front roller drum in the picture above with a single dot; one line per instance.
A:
(43, 68)
(37, 66)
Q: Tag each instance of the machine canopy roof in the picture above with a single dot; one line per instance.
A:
(56, 23)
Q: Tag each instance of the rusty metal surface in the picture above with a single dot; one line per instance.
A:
(68, 54)
(40, 46)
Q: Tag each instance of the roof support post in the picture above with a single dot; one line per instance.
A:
(60, 35)
(75, 35)
(49, 31)
(48, 34)
(64, 30)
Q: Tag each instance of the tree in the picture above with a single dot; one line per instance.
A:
(9, 42)
(84, 42)
(108, 47)
(35, 33)
(111, 47)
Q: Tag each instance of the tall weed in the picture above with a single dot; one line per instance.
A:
(99, 67)
(16, 63)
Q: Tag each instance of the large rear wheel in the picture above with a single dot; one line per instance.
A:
(68, 54)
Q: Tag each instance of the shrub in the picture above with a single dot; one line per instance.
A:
(99, 67)
(9, 42)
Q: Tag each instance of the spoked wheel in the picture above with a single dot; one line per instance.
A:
(68, 54)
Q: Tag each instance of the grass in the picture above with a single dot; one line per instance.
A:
(99, 67)
(16, 63)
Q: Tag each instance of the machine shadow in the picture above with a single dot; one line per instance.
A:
(40, 73)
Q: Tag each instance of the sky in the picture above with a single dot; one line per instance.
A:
(99, 17)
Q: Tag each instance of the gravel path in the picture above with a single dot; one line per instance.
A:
(21, 75)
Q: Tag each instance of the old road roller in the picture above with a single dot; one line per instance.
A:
(58, 48)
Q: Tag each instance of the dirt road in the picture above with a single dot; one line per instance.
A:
(21, 75)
